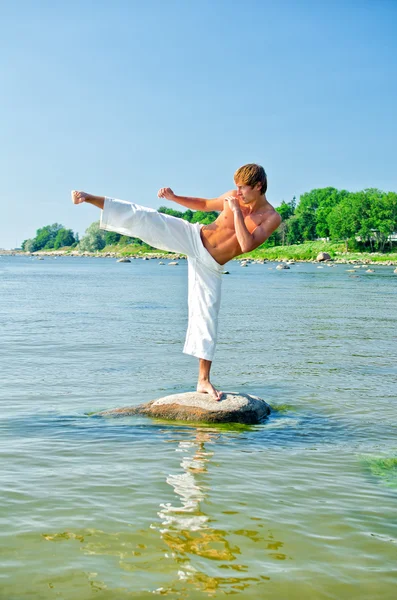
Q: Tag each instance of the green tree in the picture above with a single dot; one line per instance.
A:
(93, 240)
(200, 216)
(171, 211)
(294, 233)
(287, 209)
(313, 209)
(344, 219)
(64, 237)
(327, 199)
(111, 238)
(197, 216)
(45, 236)
(29, 245)
(381, 217)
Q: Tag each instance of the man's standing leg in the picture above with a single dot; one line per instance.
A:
(204, 384)
(205, 282)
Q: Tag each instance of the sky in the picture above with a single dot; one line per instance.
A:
(122, 97)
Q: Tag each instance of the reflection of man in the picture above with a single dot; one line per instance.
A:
(246, 220)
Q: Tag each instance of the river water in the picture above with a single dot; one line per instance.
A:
(303, 506)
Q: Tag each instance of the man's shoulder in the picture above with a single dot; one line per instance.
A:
(226, 194)
(269, 213)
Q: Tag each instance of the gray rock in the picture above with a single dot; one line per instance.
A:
(196, 407)
(124, 260)
(173, 263)
(323, 256)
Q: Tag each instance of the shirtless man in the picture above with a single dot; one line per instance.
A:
(246, 220)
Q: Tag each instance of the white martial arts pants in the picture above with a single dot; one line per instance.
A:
(177, 235)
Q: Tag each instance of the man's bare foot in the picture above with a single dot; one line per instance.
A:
(205, 387)
(79, 197)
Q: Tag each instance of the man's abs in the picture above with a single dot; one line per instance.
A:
(222, 244)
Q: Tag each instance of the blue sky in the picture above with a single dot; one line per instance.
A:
(123, 97)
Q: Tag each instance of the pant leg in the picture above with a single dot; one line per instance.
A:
(156, 229)
(176, 235)
(204, 303)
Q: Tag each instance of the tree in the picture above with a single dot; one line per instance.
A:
(171, 211)
(382, 215)
(313, 209)
(29, 245)
(344, 219)
(287, 209)
(93, 240)
(327, 199)
(294, 233)
(45, 236)
(111, 237)
(64, 237)
(200, 216)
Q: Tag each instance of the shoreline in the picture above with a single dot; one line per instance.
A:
(341, 258)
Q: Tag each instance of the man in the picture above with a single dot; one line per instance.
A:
(246, 220)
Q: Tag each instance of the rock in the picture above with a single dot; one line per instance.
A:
(281, 267)
(395, 271)
(161, 263)
(173, 263)
(197, 407)
(372, 271)
(126, 260)
(323, 256)
(225, 272)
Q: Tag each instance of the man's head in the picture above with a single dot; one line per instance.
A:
(250, 180)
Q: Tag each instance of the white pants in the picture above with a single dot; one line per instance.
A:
(176, 235)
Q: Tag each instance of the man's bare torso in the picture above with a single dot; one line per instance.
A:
(219, 237)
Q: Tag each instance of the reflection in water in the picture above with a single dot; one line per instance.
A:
(186, 528)
(190, 553)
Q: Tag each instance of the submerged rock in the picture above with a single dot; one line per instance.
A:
(195, 407)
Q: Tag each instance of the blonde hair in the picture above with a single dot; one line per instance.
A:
(251, 174)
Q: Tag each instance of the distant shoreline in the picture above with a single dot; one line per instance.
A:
(301, 253)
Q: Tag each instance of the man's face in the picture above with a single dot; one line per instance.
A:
(246, 193)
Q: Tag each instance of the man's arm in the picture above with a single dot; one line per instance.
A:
(203, 204)
(249, 241)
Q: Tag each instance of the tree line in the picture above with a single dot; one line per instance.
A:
(364, 220)
(51, 237)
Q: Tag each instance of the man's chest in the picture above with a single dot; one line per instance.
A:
(227, 221)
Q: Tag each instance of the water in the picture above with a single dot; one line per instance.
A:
(301, 506)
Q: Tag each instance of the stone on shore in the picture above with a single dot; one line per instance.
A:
(198, 407)
(323, 256)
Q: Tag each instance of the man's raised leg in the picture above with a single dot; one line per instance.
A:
(204, 385)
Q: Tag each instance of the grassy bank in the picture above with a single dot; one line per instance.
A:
(310, 250)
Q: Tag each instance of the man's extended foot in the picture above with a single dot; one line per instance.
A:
(205, 387)
(79, 197)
